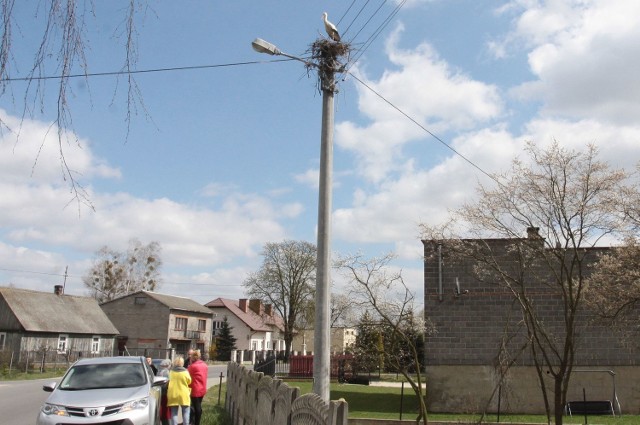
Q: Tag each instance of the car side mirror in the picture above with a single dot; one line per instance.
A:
(159, 381)
(49, 387)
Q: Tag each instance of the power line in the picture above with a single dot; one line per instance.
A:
(356, 17)
(347, 11)
(376, 33)
(369, 20)
(424, 128)
(66, 275)
(142, 71)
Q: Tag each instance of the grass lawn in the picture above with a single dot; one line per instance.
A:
(21, 375)
(212, 412)
(384, 403)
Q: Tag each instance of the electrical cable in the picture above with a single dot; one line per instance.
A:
(424, 128)
(369, 20)
(142, 71)
(375, 34)
(80, 277)
(347, 11)
(354, 19)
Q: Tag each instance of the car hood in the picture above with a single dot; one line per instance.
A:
(97, 397)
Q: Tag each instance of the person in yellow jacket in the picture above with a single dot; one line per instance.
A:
(179, 393)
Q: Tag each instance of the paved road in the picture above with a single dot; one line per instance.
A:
(20, 401)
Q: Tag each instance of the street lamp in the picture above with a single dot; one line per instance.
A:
(321, 341)
(262, 46)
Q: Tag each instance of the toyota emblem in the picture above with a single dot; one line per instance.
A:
(93, 412)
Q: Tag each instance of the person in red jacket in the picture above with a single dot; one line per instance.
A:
(198, 371)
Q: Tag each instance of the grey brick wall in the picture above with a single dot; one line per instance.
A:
(470, 326)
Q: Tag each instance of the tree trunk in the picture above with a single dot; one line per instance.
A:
(557, 400)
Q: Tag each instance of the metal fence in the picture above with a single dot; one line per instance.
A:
(342, 367)
(154, 353)
(41, 360)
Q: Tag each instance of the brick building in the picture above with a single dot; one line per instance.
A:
(158, 324)
(472, 317)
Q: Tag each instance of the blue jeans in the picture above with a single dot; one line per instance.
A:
(185, 414)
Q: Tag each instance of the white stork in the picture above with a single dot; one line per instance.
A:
(330, 28)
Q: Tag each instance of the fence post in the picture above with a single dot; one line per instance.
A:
(220, 388)
(401, 399)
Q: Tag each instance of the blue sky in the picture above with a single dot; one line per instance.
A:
(222, 159)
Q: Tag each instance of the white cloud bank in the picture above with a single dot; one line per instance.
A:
(584, 55)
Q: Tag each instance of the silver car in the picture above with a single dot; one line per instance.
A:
(100, 390)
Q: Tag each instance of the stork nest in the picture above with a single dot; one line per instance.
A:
(323, 49)
(325, 56)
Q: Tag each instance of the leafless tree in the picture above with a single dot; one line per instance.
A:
(115, 273)
(286, 280)
(382, 292)
(61, 56)
(574, 200)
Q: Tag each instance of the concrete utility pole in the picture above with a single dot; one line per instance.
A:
(322, 336)
(326, 53)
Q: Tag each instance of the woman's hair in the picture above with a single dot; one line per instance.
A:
(196, 355)
(178, 361)
(166, 363)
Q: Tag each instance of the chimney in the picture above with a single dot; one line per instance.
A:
(58, 289)
(268, 310)
(255, 306)
(533, 233)
(242, 303)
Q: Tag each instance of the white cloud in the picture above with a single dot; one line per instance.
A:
(309, 178)
(425, 88)
(585, 55)
(34, 212)
(31, 153)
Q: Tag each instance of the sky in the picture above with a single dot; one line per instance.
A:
(221, 153)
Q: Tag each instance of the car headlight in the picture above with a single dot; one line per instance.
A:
(135, 404)
(54, 409)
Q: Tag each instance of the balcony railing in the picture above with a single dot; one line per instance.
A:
(191, 334)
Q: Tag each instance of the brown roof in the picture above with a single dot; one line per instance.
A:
(172, 301)
(47, 312)
(256, 322)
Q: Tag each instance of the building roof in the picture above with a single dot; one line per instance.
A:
(171, 301)
(254, 321)
(48, 312)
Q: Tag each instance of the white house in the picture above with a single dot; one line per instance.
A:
(256, 326)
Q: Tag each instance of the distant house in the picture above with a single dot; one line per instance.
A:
(155, 324)
(341, 339)
(52, 322)
(256, 326)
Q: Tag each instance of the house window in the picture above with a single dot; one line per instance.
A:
(202, 325)
(181, 323)
(3, 340)
(95, 344)
(140, 300)
(63, 342)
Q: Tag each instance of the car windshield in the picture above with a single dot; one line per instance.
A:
(108, 375)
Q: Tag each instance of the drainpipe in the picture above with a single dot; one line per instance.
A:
(439, 272)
